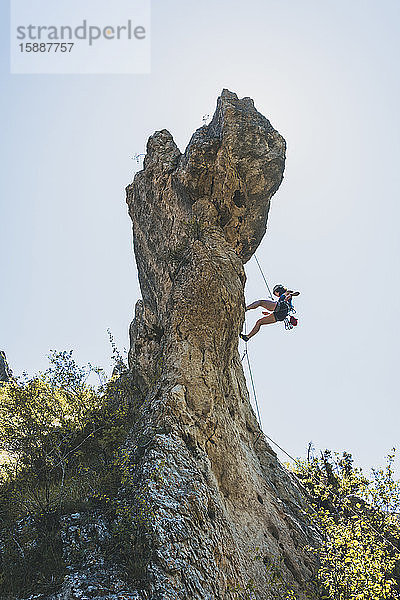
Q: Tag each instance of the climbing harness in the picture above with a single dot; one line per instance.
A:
(290, 321)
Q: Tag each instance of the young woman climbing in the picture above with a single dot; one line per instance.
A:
(276, 311)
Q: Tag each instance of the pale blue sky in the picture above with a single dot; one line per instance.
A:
(326, 75)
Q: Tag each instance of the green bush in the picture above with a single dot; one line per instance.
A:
(58, 437)
(62, 451)
(359, 557)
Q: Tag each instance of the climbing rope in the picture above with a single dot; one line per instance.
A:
(295, 460)
(263, 276)
(254, 390)
(246, 353)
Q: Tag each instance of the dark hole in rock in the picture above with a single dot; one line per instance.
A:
(211, 511)
(157, 332)
(267, 560)
(291, 567)
(190, 444)
(261, 501)
(239, 199)
(273, 531)
(225, 216)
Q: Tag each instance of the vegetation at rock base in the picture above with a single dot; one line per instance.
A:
(62, 451)
(358, 517)
(58, 437)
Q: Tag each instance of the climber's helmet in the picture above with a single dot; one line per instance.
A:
(279, 289)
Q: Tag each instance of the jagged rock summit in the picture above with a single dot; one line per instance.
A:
(224, 507)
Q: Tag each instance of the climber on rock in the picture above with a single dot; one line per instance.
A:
(275, 311)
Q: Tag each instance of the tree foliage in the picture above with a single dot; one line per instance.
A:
(62, 450)
(359, 555)
(58, 436)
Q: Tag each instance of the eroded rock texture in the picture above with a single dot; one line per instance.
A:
(222, 506)
(4, 368)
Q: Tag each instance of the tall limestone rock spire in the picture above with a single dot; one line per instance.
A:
(223, 507)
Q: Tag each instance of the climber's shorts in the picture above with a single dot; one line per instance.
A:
(281, 311)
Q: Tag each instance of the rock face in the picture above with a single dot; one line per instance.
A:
(223, 509)
(4, 368)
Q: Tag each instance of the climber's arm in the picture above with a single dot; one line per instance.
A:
(290, 293)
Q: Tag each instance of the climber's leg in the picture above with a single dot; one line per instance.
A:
(268, 304)
(264, 321)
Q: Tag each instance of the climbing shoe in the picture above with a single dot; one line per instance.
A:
(244, 337)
